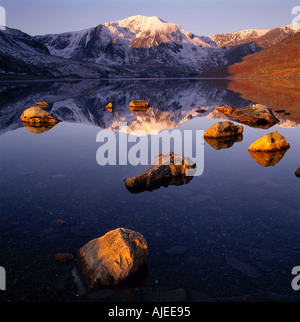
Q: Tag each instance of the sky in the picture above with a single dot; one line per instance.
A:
(201, 17)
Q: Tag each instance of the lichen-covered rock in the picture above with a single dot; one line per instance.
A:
(256, 115)
(223, 130)
(37, 116)
(270, 142)
(169, 169)
(112, 258)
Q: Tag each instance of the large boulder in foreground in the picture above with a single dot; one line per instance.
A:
(36, 116)
(255, 115)
(112, 258)
(270, 142)
(169, 169)
(223, 130)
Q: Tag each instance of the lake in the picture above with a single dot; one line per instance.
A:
(229, 234)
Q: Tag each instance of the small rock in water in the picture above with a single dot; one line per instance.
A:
(61, 222)
(297, 172)
(223, 130)
(270, 142)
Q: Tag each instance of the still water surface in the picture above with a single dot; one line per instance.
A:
(232, 233)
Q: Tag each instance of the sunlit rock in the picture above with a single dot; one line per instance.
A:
(255, 115)
(139, 105)
(112, 258)
(270, 142)
(109, 107)
(223, 143)
(226, 110)
(169, 169)
(223, 130)
(36, 116)
(267, 159)
(41, 104)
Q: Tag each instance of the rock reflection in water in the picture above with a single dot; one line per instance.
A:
(162, 174)
(267, 159)
(223, 143)
(36, 129)
(36, 120)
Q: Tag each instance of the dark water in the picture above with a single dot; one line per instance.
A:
(232, 233)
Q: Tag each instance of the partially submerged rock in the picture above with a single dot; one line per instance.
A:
(139, 105)
(267, 159)
(109, 107)
(223, 130)
(36, 116)
(255, 115)
(169, 169)
(297, 172)
(270, 142)
(41, 104)
(112, 258)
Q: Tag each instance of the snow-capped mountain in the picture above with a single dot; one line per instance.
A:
(138, 46)
(146, 44)
(263, 38)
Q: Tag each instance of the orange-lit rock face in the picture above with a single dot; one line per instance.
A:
(223, 130)
(110, 259)
(256, 115)
(41, 104)
(170, 169)
(267, 159)
(35, 115)
(109, 107)
(270, 142)
(139, 105)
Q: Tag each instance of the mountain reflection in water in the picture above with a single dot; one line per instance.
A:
(239, 218)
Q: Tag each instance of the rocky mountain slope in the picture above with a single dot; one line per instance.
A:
(279, 61)
(262, 38)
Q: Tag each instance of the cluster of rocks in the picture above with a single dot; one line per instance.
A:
(266, 151)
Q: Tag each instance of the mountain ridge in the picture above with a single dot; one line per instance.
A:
(136, 46)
